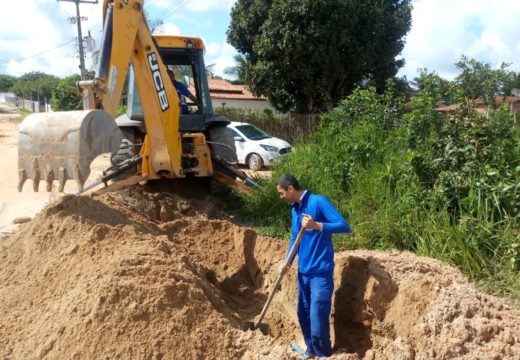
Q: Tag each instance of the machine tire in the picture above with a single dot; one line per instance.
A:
(127, 150)
(222, 143)
(254, 162)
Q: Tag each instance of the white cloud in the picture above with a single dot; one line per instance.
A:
(443, 30)
(36, 36)
(221, 55)
(168, 29)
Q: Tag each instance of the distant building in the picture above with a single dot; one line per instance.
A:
(513, 103)
(224, 94)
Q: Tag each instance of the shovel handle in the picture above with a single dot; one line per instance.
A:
(280, 276)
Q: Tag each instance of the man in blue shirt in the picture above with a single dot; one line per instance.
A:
(182, 91)
(320, 219)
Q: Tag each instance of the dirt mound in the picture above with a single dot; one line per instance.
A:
(143, 274)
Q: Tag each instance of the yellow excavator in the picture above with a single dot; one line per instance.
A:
(153, 139)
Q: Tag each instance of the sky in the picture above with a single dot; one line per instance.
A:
(38, 35)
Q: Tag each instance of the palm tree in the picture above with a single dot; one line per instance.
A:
(239, 70)
(210, 71)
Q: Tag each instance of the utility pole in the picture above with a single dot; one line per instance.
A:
(80, 36)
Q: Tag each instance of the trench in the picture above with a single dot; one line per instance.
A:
(242, 266)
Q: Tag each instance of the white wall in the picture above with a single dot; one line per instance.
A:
(257, 105)
(8, 98)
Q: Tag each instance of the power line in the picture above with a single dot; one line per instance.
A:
(162, 14)
(174, 8)
(40, 53)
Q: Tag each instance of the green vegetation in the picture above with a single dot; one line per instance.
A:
(36, 86)
(478, 79)
(66, 95)
(446, 186)
(24, 113)
(6, 82)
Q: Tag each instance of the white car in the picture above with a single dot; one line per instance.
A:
(256, 148)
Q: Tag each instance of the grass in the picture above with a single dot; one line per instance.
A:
(24, 113)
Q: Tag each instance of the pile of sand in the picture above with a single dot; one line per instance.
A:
(141, 274)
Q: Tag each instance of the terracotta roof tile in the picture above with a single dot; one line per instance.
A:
(479, 103)
(499, 100)
(222, 89)
(447, 108)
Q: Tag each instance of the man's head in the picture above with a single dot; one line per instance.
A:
(289, 189)
(171, 74)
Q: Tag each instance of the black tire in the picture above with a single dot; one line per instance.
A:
(130, 147)
(222, 143)
(254, 162)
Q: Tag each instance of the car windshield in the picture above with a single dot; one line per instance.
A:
(252, 132)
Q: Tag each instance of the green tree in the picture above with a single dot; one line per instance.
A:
(478, 79)
(512, 83)
(6, 82)
(307, 55)
(66, 95)
(403, 88)
(36, 86)
(438, 87)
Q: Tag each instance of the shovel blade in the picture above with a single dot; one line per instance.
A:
(249, 325)
(61, 145)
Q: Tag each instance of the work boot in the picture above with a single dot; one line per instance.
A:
(307, 356)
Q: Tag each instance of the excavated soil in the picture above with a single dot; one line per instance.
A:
(148, 274)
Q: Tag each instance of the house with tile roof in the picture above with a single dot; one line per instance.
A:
(224, 94)
(513, 102)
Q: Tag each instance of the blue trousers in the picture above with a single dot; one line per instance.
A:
(314, 304)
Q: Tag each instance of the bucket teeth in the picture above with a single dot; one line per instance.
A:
(36, 174)
(22, 177)
(77, 177)
(61, 146)
(62, 178)
(49, 178)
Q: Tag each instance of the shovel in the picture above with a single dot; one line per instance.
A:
(264, 328)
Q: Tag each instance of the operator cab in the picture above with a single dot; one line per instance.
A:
(185, 57)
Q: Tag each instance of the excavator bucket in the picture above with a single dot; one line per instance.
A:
(61, 145)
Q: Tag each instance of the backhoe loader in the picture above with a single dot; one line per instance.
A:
(153, 139)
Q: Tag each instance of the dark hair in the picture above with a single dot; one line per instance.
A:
(288, 179)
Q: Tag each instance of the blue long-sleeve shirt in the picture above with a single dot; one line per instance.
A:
(316, 253)
(182, 90)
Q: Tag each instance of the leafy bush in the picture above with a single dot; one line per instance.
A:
(463, 153)
(66, 95)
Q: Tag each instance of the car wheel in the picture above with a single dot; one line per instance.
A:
(254, 161)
